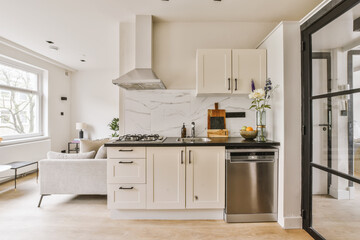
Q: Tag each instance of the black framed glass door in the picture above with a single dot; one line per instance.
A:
(331, 122)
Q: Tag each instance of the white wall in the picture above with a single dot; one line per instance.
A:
(175, 44)
(283, 51)
(94, 101)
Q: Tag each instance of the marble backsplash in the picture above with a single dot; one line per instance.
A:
(164, 111)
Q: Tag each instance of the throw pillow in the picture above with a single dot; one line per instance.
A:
(57, 155)
(92, 145)
(101, 153)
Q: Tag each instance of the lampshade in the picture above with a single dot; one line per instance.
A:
(80, 126)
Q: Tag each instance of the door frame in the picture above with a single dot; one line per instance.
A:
(326, 15)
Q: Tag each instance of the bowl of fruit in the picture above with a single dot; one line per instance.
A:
(248, 133)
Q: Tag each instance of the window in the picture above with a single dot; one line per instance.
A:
(20, 100)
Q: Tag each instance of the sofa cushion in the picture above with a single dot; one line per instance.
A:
(57, 155)
(91, 145)
(101, 153)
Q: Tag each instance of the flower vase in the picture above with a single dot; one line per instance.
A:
(261, 125)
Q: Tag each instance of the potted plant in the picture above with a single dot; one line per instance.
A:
(114, 126)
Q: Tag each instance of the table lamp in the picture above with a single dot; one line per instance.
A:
(81, 126)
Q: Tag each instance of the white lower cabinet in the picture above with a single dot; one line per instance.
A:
(126, 196)
(205, 177)
(165, 178)
(191, 177)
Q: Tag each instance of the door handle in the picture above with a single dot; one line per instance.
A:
(182, 156)
(235, 84)
(122, 162)
(189, 156)
(126, 188)
(126, 150)
(229, 83)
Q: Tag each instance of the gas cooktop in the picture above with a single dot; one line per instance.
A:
(140, 138)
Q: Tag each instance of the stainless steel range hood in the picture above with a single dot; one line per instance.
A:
(142, 77)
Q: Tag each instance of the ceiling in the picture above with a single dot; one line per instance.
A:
(89, 29)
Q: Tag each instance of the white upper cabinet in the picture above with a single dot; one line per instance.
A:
(229, 71)
(213, 71)
(205, 177)
(166, 178)
(247, 65)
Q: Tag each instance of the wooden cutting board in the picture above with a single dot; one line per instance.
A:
(216, 118)
(217, 122)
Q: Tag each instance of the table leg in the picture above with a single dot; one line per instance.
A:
(15, 177)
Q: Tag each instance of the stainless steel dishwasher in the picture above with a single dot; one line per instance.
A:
(251, 185)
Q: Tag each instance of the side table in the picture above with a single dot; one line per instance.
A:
(17, 165)
(75, 148)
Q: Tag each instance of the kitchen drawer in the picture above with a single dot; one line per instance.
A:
(126, 152)
(126, 196)
(126, 170)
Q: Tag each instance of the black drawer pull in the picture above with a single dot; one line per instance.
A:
(126, 162)
(126, 188)
(126, 150)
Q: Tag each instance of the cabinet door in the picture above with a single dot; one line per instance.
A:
(166, 178)
(248, 64)
(205, 177)
(126, 196)
(213, 73)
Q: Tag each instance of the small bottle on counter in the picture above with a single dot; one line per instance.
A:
(183, 131)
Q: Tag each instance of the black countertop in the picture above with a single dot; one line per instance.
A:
(171, 142)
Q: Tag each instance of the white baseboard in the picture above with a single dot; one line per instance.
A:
(194, 214)
(291, 222)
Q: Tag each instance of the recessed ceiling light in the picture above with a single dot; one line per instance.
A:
(82, 60)
(217, 0)
(50, 42)
(53, 47)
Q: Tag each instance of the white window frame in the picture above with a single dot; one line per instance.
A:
(40, 79)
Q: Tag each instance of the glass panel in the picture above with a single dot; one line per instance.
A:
(335, 214)
(336, 133)
(14, 77)
(335, 50)
(19, 113)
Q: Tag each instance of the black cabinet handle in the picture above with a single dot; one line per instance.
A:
(126, 188)
(182, 156)
(229, 83)
(235, 84)
(126, 162)
(189, 156)
(126, 150)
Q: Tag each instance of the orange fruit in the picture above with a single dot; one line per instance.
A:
(249, 129)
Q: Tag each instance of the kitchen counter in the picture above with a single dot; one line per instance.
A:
(171, 142)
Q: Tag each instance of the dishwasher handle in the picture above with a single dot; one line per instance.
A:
(251, 160)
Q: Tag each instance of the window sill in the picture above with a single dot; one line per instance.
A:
(23, 140)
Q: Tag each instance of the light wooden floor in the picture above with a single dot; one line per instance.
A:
(86, 217)
(337, 219)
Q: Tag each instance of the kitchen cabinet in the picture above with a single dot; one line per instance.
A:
(126, 178)
(203, 187)
(165, 178)
(205, 177)
(213, 71)
(229, 71)
(247, 65)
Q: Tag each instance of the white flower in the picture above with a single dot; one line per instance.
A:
(251, 95)
(258, 93)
